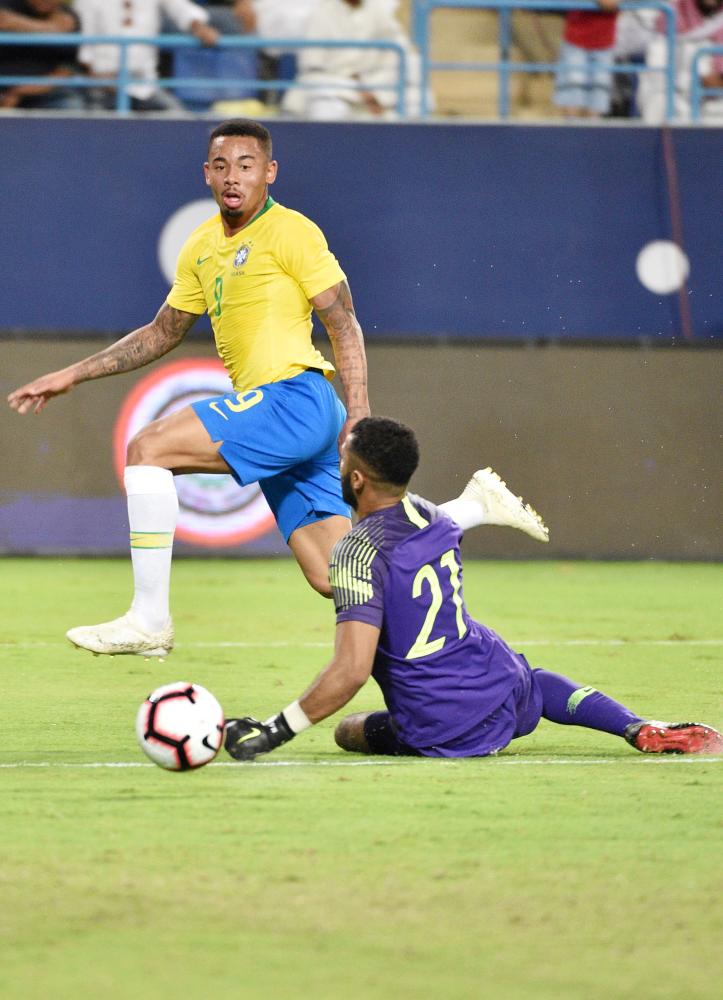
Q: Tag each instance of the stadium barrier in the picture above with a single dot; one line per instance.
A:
(698, 90)
(422, 11)
(123, 80)
(617, 447)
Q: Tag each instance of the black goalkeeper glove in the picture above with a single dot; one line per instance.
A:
(247, 737)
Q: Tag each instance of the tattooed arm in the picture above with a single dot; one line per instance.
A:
(139, 348)
(335, 309)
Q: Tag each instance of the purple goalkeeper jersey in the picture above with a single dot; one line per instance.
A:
(441, 673)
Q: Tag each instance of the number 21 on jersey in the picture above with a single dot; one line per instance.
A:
(423, 645)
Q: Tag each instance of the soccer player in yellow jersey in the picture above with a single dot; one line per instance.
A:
(258, 269)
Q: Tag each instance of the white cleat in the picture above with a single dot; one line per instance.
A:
(123, 636)
(503, 507)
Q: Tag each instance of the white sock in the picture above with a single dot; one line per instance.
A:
(467, 513)
(152, 515)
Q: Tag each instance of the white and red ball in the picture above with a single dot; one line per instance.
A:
(180, 726)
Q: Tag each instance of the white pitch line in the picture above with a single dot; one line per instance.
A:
(329, 644)
(18, 765)
(529, 762)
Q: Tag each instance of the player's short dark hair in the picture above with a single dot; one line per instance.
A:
(244, 126)
(387, 447)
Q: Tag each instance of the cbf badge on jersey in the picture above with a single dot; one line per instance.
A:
(214, 511)
(242, 255)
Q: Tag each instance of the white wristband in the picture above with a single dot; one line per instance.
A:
(296, 718)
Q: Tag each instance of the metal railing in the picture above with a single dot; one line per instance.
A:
(421, 14)
(123, 79)
(504, 67)
(698, 90)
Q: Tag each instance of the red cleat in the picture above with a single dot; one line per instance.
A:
(674, 737)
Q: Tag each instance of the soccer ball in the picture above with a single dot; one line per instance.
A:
(180, 726)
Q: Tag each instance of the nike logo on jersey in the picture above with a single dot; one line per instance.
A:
(202, 260)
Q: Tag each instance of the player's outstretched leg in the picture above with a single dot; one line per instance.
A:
(567, 703)
(486, 500)
(674, 737)
(570, 704)
(146, 629)
(177, 442)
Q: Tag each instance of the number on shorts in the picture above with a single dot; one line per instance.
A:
(244, 401)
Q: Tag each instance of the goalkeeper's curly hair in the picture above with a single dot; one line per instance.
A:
(387, 447)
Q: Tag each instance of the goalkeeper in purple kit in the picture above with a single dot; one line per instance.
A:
(452, 687)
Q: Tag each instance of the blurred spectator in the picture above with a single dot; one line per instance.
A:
(583, 83)
(136, 17)
(530, 31)
(275, 19)
(221, 15)
(230, 73)
(635, 31)
(39, 17)
(699, 23)
(332, 70)
(536, 37)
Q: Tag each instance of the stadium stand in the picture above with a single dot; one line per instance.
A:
(215, 64)
(481, 59)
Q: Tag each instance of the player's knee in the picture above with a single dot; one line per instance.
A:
(343, 733)
(319, 580)
(144, 448)
(349, 733)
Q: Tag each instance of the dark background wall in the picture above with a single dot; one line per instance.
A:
(490, 231)
(619, 448)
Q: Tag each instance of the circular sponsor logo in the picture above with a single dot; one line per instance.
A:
(662, 267)
(178, 228)
(214, 510)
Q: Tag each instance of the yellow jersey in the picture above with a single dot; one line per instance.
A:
(256, 288)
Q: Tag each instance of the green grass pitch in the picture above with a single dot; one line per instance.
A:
(568, 867)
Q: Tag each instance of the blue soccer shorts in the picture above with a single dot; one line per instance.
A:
(283, 435)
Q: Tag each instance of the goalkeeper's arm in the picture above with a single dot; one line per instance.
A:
(349, 670)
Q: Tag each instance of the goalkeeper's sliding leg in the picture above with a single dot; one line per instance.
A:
(555, 698)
